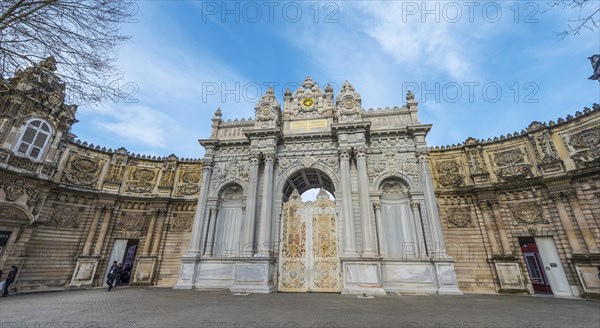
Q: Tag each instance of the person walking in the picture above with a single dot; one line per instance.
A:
(112, 275)
(10, 278)
(118, 275)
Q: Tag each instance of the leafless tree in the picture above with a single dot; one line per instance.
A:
(587, 19)
(83, 36)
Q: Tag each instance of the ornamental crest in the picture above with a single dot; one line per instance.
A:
(511, 165)
(308, 101)
(587, 147)
(189, 183)
(268, 110)
(83, 171)
(448, 174)
(527, 213)
(182, 223)
(64, 217)
(130, 221)
(141, 180)
(459, 217)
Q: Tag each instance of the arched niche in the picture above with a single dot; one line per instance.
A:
(228, 224)
(399, 233)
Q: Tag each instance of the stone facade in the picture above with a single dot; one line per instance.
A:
(405, 218)
(63, 209)
(541, 184)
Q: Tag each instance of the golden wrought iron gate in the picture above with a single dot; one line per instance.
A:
(309, 260)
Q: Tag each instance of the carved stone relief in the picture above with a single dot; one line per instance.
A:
(530, 212)
(64, 217)
(448, 174)
(308, 161)
(83, 171)
(511, 165)
(459, 217)
(233, 170)
(182, 223)
(308, 101)
(141, 180)
(13, 214)
(393, 162)
(586, 147)
(188, 183)
(130, 221)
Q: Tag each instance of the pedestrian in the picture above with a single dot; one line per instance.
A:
(10, 278)
(112, 275)
(118, 275)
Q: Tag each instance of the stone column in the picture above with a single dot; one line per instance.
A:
(249, 225)
(210, 239)
(566, 223)
(264, 238)
(586, 232)
(377, 206)
(198, 227)
(349, 237)
(87, 247)
(439, 246)
(161, 217)
(415, 206)
(150, 232)
(369, 243)
(106, 221)
(489, 227)
(501, 228)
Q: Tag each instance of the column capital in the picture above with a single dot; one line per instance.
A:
(254, 158)
(269, 157)
(555, 196)
(415, 205)
(345, 153)
(361, 152)
(158, 210)
(377, 205)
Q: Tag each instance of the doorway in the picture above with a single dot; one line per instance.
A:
(124, 252)
(309, 260)
(544, 266)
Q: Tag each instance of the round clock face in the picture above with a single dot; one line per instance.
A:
(266, 109)
(307, 102)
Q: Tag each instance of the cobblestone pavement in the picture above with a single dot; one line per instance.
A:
(150, 307)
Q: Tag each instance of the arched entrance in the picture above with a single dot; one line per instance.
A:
(308, 258)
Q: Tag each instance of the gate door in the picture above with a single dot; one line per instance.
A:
(309, 260)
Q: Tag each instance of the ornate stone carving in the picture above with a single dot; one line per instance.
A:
(308, 101)
(348, 103)
(530, 212)
(586, 146)
(544, 147)
(459, 217)
(511, 165)
(22, 163)
(168, 172)
(475, 159)
(141, 180)
(232, 192)
(83, 171)
(182, 223)
(13, 214)
(268, 110)
(448, 174)
(233, 170)
(189, 183)
(393, 187)
(394, 163)
(309, 161)
(64, 217)
(130, 221)
(13, 190)
(117, 167)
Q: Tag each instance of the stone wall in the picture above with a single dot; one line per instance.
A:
(542, 181)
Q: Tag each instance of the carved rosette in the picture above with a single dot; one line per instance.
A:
(527, 213)
(182, 223)
(448, 174)
(64, 217)
(348, 103)
(585, 147)
(268, 110)
(511, 165)
(83, 171)
(459, 217)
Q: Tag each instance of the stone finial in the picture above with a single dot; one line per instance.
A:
(48, 64)
(218, 112)
(410, 96)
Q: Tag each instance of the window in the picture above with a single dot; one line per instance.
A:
(34, 136)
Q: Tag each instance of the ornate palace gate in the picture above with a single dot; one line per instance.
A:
(309, 259)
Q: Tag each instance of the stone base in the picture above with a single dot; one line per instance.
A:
(144, 271)
(509, 276)
(419, 276)
(362, 277)
(85, 270)
(187, 272)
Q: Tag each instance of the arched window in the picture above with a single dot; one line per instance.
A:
(34, 136)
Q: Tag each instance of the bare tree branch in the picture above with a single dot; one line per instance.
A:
(587, 19)
(83, 36)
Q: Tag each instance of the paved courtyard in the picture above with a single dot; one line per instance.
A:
(150, 307)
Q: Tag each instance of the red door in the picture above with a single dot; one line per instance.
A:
(535, 267)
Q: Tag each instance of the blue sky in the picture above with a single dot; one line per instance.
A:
(482, 69)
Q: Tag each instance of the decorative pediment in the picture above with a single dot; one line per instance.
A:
(348, 103)
(308, 101)
(268, 110)
(15, 214)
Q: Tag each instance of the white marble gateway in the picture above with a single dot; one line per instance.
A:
(382, 232)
